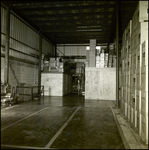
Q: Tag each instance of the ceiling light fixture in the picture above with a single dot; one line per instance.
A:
(89, 30)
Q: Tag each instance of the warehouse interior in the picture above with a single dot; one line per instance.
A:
(67, 67)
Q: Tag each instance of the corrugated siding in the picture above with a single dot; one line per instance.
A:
(61, 50)
(3, 25)
(73, 50)
(3, 16)
(47, 47)
(79, 60)
(23, 38)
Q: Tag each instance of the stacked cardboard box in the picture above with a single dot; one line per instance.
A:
(98, 61)
(61, 67)
(46, 66)
(87, 58)
(144, 92)
(102, 55)
(134, 74)
(110, 61)
(80, 67)
(92, 53)
(106, 60)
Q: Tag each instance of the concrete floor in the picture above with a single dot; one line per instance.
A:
(68, 122)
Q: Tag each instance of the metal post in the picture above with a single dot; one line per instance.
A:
(6, 70)
(40, 56)
(117, 55)
(55, 48)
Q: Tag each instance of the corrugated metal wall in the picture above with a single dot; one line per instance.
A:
(24, 42)
(3, 25)
(23, 38)
(72, 51)
(47, 47)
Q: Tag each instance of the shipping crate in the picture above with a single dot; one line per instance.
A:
(143, 32)
(92, 47)
(144, 103)
(144, 128)
(143, 9)
(144, 54)
(92, 62)
(138, 108)
(92, 42)
(128, 30)
(138, 81)
(129, 113)
(144, 80)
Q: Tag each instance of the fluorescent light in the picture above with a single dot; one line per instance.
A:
(87, 48)
(89, 30)
(98, 47)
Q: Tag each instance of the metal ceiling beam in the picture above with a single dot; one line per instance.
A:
(74, 30)
(78, 14)
(53, 3)
(59, 20)
(78, 35)
(55, 8)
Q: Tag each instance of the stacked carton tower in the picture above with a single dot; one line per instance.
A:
(134, 73)
(106, 60)
(92, 53)
(98, 59)
(102, 55)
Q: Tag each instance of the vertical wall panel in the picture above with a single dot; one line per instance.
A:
(3, 23)
(47, 47)
(73, 50)
(25, 39)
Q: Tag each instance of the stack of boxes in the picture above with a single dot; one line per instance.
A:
(110, 61)
(61, 67)
(106, 60)
(42, 63)
(92, 53)
(46, 66)
(102, 55)
(87, 57)
(134, 74)
(98, 61)
(114, 60)
(144, 92)
(80, 67)
(52, 64)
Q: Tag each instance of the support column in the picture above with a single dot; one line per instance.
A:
(117, 55)
(6, 70)
(55, 48)
(40, 56)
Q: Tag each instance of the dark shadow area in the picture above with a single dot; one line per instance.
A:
(73, 100)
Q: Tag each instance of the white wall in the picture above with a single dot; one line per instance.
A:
(100, 83)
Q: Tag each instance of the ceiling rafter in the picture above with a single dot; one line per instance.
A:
(64, 18)
(31, 15)
(45, 8)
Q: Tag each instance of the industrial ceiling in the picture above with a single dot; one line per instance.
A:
(75, 22)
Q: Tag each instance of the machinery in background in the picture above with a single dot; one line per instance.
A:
(8, 98)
